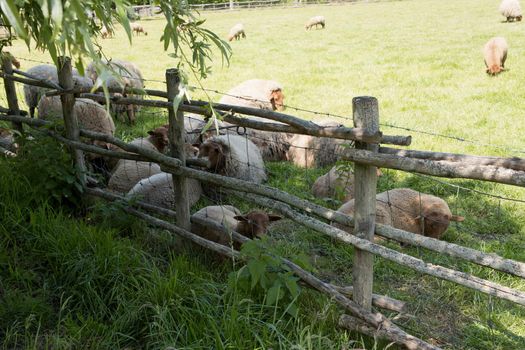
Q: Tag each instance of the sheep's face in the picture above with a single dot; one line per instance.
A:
(494, 69)
(215, 153)
(436, 222)
(159, 138)
(255, 223)
(277, 100)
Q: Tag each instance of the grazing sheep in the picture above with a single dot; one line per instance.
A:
(495, 54)
(48, 73)
(137, 28)
(236, 32)
(158, 190)
(252, 225)
(411, 211)
(106, 32)
(337, 183)
(234, 156)
(263, 94)
(511, 9)
(129, 75)
(315, 21)
(316, 152)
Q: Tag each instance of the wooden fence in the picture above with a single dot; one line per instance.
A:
(366, 154)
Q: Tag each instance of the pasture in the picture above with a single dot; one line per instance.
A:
(423, 62)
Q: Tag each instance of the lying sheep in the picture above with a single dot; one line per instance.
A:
(252, 225)
(47, 72)
(236, 32)
(128, 172)
(158, 190)
(411, 211)
(511, 9)
(315, 21)
(316, 152)
(234, 156)
(495, 54)
(263, 94)
(137, 28)
(129, 75)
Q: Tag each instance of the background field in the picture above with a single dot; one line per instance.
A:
(423, 61)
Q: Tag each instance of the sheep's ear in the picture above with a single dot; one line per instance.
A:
(457, 218)
(241, 218)
(274, 217)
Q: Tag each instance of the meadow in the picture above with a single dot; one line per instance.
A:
(108, 284)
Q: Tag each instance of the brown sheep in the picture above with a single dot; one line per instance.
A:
(409, 210)
(137, 28)
(495, 54)
(237, 32)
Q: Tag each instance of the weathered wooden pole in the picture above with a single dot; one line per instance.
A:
(176, 135)
(366, 116)
(10, 91)
(65, 80)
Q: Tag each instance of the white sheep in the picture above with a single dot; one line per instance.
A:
(128, 75)
(411, 211)
(234, 156)
(236, 32)
(315, 21)
(252, 225)
(316, 152)
(495, 54)
(511, 9)
(137, 28)
(158, 190)
(47, 72)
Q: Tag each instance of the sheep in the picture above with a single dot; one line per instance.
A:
(409, 210)
(137, 28)
(252, 225)
(106, 32)
(495, 54)
(234, 156)
(236, 32)
(129, 75)
(311, 151)
(263, 94)
(511, 9)
(193, 125)
(158, 190)
(48, 73)
(315, 21)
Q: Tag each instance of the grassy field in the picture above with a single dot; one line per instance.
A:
(422, 60)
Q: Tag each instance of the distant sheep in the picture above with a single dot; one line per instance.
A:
(129, 75)
(495, 54)
(411, 211)
(315, 21)
(47, 72)
(234, 156)
(236, 32)
(158, 190)
(252, 225)
(137, 28)
(316, 152)
(511, 9)
(106, 33)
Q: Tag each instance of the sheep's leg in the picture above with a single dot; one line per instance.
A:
(130, 111)
(503, 59)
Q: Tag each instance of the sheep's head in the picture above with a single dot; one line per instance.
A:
(436, 222)
(216, 154)
(277, 100)
(495, 69)
(159, 138)
(255, 223)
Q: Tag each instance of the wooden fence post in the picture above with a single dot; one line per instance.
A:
(366, 116)
(65, 80)
(10, 92)
(176, 135)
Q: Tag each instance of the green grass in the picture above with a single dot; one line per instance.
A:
(68, 282)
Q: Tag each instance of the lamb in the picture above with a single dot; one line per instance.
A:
(234, 156)
(48, 73)
(236, 32)
(315, 21)
(158, 190)
(311, 151)
(137, 28)
(129, 75)
(263, 94)
(511, 9)
(252, 225)
(409, 210)
(495, 54)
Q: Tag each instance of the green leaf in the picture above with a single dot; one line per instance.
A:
(256, 268)
(56, 12)
(11, 12)
(274, 294)
(291, 283)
